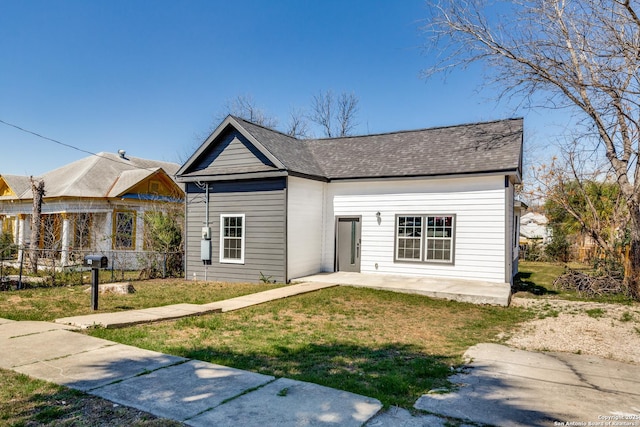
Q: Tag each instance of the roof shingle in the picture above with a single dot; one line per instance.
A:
(464, 149)
(102, 175)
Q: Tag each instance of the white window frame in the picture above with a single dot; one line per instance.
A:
(424, 239)
(240, 260)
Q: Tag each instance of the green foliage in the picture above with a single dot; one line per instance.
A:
(596, 313)
(8, 249)
(626, 317)
(592, 208)
(592, 201)
(534, 251)
(558, 248)
(163, 234)
(266, 279)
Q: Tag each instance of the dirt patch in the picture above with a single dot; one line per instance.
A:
(611, 331)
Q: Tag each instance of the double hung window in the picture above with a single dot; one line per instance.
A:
(425, 238)
(232, 238)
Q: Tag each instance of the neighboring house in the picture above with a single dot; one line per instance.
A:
(434, 202)
(534, 227)
(94, 204)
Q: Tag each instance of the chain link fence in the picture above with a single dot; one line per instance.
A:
(59, 268)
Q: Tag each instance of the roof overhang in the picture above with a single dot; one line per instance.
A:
(513, 174)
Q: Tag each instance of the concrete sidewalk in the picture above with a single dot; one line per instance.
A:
(501, 386)
(507, 387)
(176, 311)
(193, 392)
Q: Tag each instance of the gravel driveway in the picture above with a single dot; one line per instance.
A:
(610, 331)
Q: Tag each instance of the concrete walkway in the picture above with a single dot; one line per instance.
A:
(453, 289)
(193, 392)
(176, 311)
(476, 292)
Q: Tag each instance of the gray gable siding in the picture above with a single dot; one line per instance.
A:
(232, 154)
(263, 204)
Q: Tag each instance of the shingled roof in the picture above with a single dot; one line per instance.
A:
(102, 175)
(18, 184)
(488, 147)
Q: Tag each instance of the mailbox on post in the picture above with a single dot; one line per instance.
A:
(96, 262)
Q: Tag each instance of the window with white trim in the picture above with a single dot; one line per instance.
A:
(425, 238)
(232, 238)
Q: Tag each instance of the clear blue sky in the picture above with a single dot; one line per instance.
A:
(151, 76)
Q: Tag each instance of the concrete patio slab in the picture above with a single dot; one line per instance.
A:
(5, 321)
(290, 403)
(509, 387)
(46, 345)
(183, 391)
(95, 368)
(472, 291)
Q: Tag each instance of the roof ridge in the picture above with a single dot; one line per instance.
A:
(333, 138)
(305, 140)
(92, 160)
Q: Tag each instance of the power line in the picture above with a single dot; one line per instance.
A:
(71, 146)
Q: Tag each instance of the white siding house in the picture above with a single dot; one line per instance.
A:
(477, 203)
(432, 202)
(306, 221)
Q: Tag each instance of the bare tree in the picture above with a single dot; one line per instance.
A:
(245, 107)
(347, 112)
(37, 189)
(322, 111)
(298, 126)
(584, 55)
(336, 116)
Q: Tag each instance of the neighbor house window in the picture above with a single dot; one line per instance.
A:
(232, 238)
(425, 238)
(124, 227)
(81, 230)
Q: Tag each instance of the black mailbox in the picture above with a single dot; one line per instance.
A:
(96, 261)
